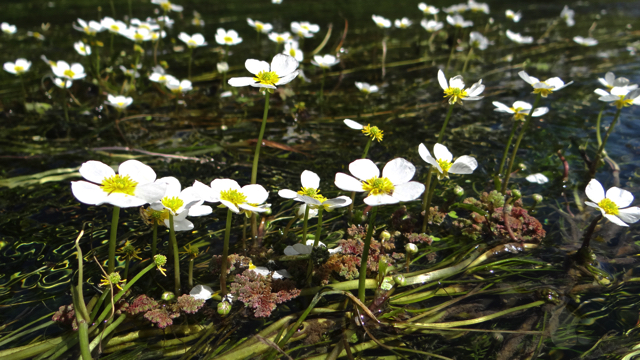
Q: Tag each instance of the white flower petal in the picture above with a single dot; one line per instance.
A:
(616, 220)
(540, 111)
(256, 194)
(364, 169)
(352, 124)
(241, 81)
(283, 64)
(137, 171)
(287, 194)
(500, 107)
(125, 201)
(309, 179)
(200, 210)
(594, 191)
(348, 183)
(205, 192)
(426, 156)
(457, 82)
(629, 215)
(290, 251)
(465, 164)
(442, 153)
(95, 171)
(622, 198)
(399, 171)
(408, 191)
(253, 208)
(376, 200)
(589, 203)
(150, 192)
(88, 193)
(172, 184)
(180, 225)
(537, 178)
(340, 201)
(255, 66)
(231, 206)
(201, 292)
(442, 80)
(309, 200)
(219, 185)
(302, 248)
(287, 78)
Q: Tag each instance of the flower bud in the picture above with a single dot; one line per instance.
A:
(516, 194)
(537, 198)
(458, 190)
(400, 280)
(224, 308)
(385, 235)
(168, 296)
(160, 260)
(267, 212)
(411, 248)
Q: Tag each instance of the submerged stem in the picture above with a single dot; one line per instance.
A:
(190, 61)
(589, 233)
(594, 164)
(365, 254)
(112, 239)
(315, 243)
(466, 62)
(176, 256)
(506, 148)
(304, 223)
(225, 253)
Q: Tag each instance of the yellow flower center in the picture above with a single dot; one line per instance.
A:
(623, 102)
(112, 279)
(455, 95)
(403, 25)
(280, 39)
(518, 115)
(228, 39)
(115, 27)
(292, 52)
(82, 49)
(119, 184)
(445, 165)
(138, 37)
(172, 203)
(259, 26)
(120, 104)
(157, 217)
(313, 193)
(378, 186)
(162, 78)
(18, 68)
(166, 6)
(544, 92)
(608, 206)
(233, 196)
(373, 132)
(266, 77)
(192, 43)
(69, 73)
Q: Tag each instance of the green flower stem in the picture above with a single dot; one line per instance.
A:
(364, 156)
(126, 268)
(446, 122)
(111, 45)
(130, 14)
(154, 240)
(64, 107)
(225, 253)
(365, 254)
(83, 327)
(453, 47)
(256, 156)
(431, 191)
(589, 233)
(305, 220)
(113, 9)
(289, 224)
(24, 88)
(98, 305)
(96, 340)
(594, 164)
(322, 85)
(315, 244)
(598, 125)
(507, 175)
(466, 62)
(190, 61)
(190, 281)
(506, 148)
(113, 239)
(176, 256)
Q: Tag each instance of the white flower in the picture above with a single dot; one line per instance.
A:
(281, 71)
(201, 292)
(611, 203)
(465, 164)
(82, 49)
(230, 37)
(588, 41)
(166, 5)
(62, 83)
(610, 81)
(402, 23)
(168, 22)
(197, 19)
(324, 62)
(455, 91)
(511, 15)
(567, 15)
(304, 29)
(292, 48)
(36, 35)
(177, 86)
(73, 72)
(546, 87)
(119, 102)
(19, 67)
(159, 76)
(278, 274)
(276, 1)
(537, 178)
(279, 38)
(8, 28)
(133, 186)
(366, 88)
(303, 249)
(180, 204)
(114, 26)
(371, 131)
(310, 194)
(149, 24)
(302, 208)
(456, 9)
(381, 22)
(194, 41)
(478, 7)
(428, 9)
(222, 67)
(517, 38)
(232, 196)
(431, 25)
(264, 28)
(131, 72)
(620, 97)
(458, 21)
(155, 35)
(394, 185)
(90, 28)
(520, 109)
(138, 35)
(478, 41)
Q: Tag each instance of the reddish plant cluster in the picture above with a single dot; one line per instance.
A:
(262, 293)
(235, 263)
(419, 238)
(66, 316)
(162, 314)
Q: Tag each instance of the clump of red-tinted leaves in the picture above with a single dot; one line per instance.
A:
(142, 304)
(161, 313)
(262, 293)
(525, 227)
(419, 238)
(66, 316)
(235, 263)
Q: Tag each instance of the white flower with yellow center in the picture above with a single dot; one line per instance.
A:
(8, 28)
(134, 184)
(610, 81)
(303, 249)
(281, 71)
(520, 109)
(310, 194)
(371, 131)
(620, 97)
(381, 22)
(149, 24)
(544, 88)
(113, 26)
(455, 91)
(567, 15)
(158, 75)
(304, 29)
(119, 102)
(18, 68)
(192, 41)
(428, 9)
(82, 48)
(275, 275)
(478, 41)
(392, 187)
(232, 196)
(292, 48)
(180, 204)
(138, 35)
(155, 35)
(442, 161)
(402, 23)
(585, 41)
(62, 83)
(458, 21)
(261, 27)
(179, 87)
(230, 37)
(613, 204)
(366, 88)
(324, 62)
(511, 15)
(36, 35)
(431, 25)
(222, 67)
(279, 38)
(478, 7)
(517, 38)
(456, 9)
(130, 72)
(73, 72)
(90, 28)
(166, 5)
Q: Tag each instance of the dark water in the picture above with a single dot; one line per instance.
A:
(39, 217)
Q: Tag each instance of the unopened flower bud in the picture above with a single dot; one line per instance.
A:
(168, 296)
(400, 280)
(411, 248)
(516, 194)
(267, 212)
(224, 308)
(385, 235)
(537, 198)
(160, 260)
(458, 190)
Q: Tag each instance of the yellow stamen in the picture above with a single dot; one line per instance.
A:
(266, 78)
(119, 184)
(259, 26)
(18, 68)
(623, 102)
(233, 196)
(313, 193)
(228, 39)
(518, 115)
(69, 73)
(608, 206)
(172, 203)
(455, 95)
(445, 165)
(378, 186)
(373, 132)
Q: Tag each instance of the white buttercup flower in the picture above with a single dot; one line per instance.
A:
(458, 21)
(304, 28)
(478, 7)
(431, 25)
(133, 186)
(277, 274)
(36, 35)
(279, 38)
(192, 41)
(324, 62)
(114, 26)
(402, 23)
(264, 28)
(90, 28)
(180, 203)
(585, 41)
(310, 194)
(455, 91)
(166, 5)
(8, 28)
(371, 131)
(456, 9)
(138, 35)
(232, 196)
(620, 97)
(381, 22)
(366, 88)
(567, 15)
(176, 86)
(281, 71)
(230, 37)
(392, 187)
(292, 48)
(201, 292)
(149, 24)
(197, 19)
(82, 48)
(442, 161)
(119, 102)
(428, 9)
(537, 178)
(158, 75)
(517, 38)
(18, 68)
(62, 83)
(478, 41)
(276, 2)
(613, 204)
(303, 249)
(511, 15)
(520, 109)
(544, 88)
(73, 72)
(610, 81)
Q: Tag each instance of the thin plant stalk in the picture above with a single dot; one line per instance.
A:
(64, 107)
(24, 89)
(190, 279)
(126, 268)
(315, 243)
(466, 62)
(154, 239)
(256, 156)
(322, 85)
(112, 239)
(453, 47)
(190, 61)
(364, 156)
(176, 256)
(130, 13)
(111, 46)
(82, 314)
(594, 164)
(113, 9)
(225, 253)
(589, 233)
(365, 254)
(304, 223)
(598, 136)
(506, 149)
(507, 175)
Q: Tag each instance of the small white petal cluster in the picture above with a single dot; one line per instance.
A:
(455, 91)
(18, 68)
(149, 24)
(264, 28)
(456, 9)
(431, 25)
(90, 28)
(82, 48)
(192, 41)
(428, 9)
(179, 87)
(166, 5)
(458, 21)
(62, 83)
(614, 204)
(610, 81)
(546, 87)
(402, 23)
(303, 249)
(119, 102)
(292, 48)
(231, 195)
(519, 109)
(310, 194)
(230, 37)
(72, 72)
(515, 16)
(366, 88)
(138, 35)
(325, 61)
(222, 67)
(537, 179)
(8, 28)
(567, 15)
(381, 22)
(478, 41)
(585, 41)
(158, 75)
(180, 204)
(304, 29)
(517, 38)
(113, 26)
(442, 161)
(277, 274)
(133, 73)
(478, 7)
(279, 38)
(622, 96)
(281, 71)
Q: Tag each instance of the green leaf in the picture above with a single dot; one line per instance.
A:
(452, 214)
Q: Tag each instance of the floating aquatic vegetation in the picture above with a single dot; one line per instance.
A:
(261, 293)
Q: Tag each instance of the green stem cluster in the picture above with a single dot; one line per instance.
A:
(176, 256)
(113, 239)
(365, 254)
(225, 253)
(600, 153)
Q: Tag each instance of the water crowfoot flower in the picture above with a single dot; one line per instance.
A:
(402, 23)
(373, 132)
(279, 38)
(428, 9)
(544, 88)
(166, 5)
(292, 48)
(119, 102)
(260, 27)
(158, 75)
(73, 72)
(90, 28)
(431, 25)
(610, 81)
(519, 109)
(517, 38)
(511, 15)
(281, 71)
(442, 161)
(567, 15)
(304, 29)
(62, 83)
(454, 89)
(324, 62)
(381, 22)
(537, 178)
(366, 88)
(230, 37)
(82, 48)
(585, 41)
(458, 21)
(179, 87)
(18, 68)
(620, 96)
(8, 28)
(476, 41)
(614, 204)
(201, 292)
